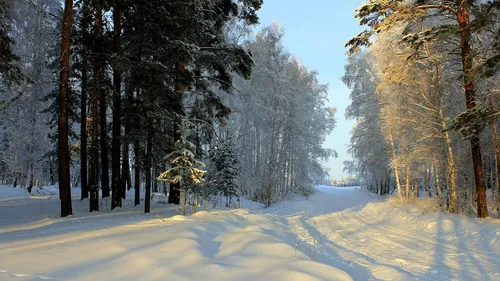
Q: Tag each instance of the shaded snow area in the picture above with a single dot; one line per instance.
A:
(338, 234)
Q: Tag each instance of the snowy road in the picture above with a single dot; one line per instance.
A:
(339, 234)
(384, 243)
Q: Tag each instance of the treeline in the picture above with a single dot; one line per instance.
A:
(111, 95)
(281, 122)
(425, 94)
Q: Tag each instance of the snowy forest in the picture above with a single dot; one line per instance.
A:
(179, 97)
(425, 94)
(249, 140)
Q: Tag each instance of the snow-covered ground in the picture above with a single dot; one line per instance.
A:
(338, 234)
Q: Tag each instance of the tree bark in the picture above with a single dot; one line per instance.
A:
(155, 182)
(117, 104)
(94, 154)
(126, 176)
(175, 188)
(450, 166)
(439, 192)
(149, 144)
(467, 65)
(51, 171)
(83, 121)
(396, 168)
(104, 145)
(29, 179)
(496, 143)
(137, 174)
(63, 122)
(94, 143)
(184, 199)
(407, 181)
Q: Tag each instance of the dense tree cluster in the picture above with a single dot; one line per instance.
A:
(425, 94)
(281, 123)
(111, 95)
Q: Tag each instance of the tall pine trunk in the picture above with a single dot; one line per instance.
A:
(63, 122)
(126, 181)
(496, 143)
(149, 144)
(117, 104)
(175, 188)
(137, 173)
(467, 65)
(94, 113)
(83, 135)
(94, 153)
(104, 144)
(83, 125)
(126, 176)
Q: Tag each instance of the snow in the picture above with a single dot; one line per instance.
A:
(338, 234)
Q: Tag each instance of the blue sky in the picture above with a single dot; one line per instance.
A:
(316, 32)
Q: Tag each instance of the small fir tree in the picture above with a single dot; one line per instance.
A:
(226, 169)
(185, 168)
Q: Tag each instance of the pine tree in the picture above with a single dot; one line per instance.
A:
(185, 169)
(64, 172)
(226, 172)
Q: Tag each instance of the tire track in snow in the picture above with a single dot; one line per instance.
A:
(383, 241)
(450, 251)
(371, 247)
(21, 276)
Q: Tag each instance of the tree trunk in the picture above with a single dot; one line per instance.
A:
(428, 182)
(450, 168)
(117, 105)
(104, 145)
(29, 179)
(51, 171)
(63, 122)
(125, 180)
(407, 181)
(126, 176)
(175, 188)
(437, 181)
(137, 174)
(184, 199)
(83, 133)
(149, 144)
(94, 146)
(467, 65)
(496, 143)
(155, 182)
(396, 168)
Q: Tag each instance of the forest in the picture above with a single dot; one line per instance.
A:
(179, 97)
(425, 94)
(159, 140)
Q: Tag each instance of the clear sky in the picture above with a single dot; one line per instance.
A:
(316, 32)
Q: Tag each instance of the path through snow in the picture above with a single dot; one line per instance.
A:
(339, 234)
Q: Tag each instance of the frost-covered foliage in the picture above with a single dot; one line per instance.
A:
(24, 139)
(280, 121)
(136, 69)
(224, 171)
(185, 169)
(425, 97)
